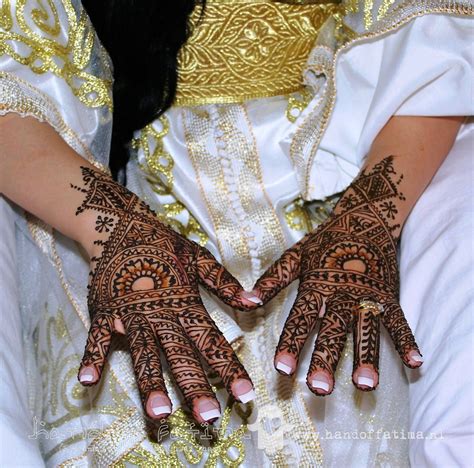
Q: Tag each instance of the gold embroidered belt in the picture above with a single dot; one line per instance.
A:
(247, 49)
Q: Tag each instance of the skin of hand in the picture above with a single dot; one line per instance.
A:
(353, 257)
(144, 276)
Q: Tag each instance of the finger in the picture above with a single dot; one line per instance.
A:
(366, 349)
(299, 324)
(221, 283)
(147, 366)
(186, 367)
(397, 326)
(217, 352)
(282, 273)
(97, 348)
(337, 322)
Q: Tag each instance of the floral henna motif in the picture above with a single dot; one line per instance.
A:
(147, 276)
(351, 257)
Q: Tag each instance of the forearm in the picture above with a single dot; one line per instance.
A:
(418, 146)
(37, 169)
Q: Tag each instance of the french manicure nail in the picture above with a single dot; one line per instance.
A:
(159, 405)
(246, 397)
(368, 382)
(320, 384)
(86, 375)
(283, 367)
(161, 410)
(417, 358)
(250, 296)
(211, 414)
(254, 299)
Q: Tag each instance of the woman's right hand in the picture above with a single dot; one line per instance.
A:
(146, 276)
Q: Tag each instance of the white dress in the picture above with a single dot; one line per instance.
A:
(235, 177)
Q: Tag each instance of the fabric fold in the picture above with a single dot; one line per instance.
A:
(374, 79)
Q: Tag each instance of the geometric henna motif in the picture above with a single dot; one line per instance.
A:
(147, 276)
(352, 256)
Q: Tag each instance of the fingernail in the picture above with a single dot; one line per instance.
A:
(211, 414)
(208, 411)
(283, 367)
(320, 383)
(243, 389)
(252, 297)
(86, 375)
(160, 410)
(249, 396)
(417, 357)
(157, 406)
(367, 381)
(365, 377)
(285, 364)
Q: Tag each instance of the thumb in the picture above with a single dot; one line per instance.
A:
(279, 275)
(214, 277)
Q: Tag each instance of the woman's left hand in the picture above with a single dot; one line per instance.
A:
(348, 274)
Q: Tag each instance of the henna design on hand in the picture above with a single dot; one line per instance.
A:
(147, 276)
(349, 258)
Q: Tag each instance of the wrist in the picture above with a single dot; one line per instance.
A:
(376, 190)
(88, 236)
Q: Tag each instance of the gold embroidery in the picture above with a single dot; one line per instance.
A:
(384, 7)
(228, 174)
(368, 6)
(230, 180)
(189, 442)
(297, 217)
(159, 174)
(209, 172)
(248, 49)
(319, 210)
(35, 41)
(6, 20)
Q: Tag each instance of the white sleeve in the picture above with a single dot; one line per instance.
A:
(424, 68)
(53, 68)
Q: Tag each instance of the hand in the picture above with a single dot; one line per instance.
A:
(350, 258)
(146, 276)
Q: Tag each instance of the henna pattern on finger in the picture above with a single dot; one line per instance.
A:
(332, 336)
(98, 344)
(147, 275)
(354, 253)
(366, 339)
(219, 281)
(300, 322)
(396, 324)
(283, 272)
(213, 346)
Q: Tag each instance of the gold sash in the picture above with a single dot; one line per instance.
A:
(246, 49)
